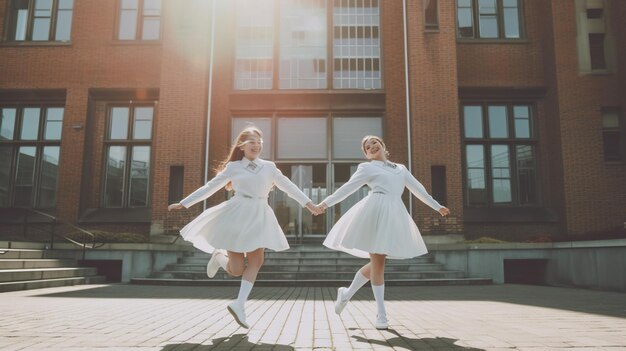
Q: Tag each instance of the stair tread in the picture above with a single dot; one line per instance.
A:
(53, 279)
(42, 269)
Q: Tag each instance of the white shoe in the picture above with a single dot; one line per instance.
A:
(239, 313)
(381, 322)
(340, 304)
(213, 265)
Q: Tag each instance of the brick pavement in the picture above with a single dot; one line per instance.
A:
(165, 318)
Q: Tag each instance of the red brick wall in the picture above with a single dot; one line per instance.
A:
(595, 191)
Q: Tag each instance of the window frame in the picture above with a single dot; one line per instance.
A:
(11, 24)
(128, 143)
(139, 25)
(500, 21)
(40, 143)
(511, 142)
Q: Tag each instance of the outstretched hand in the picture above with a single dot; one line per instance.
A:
(444, 211)
(175, 206)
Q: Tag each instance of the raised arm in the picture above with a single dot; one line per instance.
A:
(358, 179)
(285, 184)
(210, 188)
(417, 189)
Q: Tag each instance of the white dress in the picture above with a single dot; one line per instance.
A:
(245, 222)
(379, 223)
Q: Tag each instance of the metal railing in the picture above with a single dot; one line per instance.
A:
(54, 222)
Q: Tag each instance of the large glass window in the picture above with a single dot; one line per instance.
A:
(40, 20)
(489, 19)
(356, 44)
(254, 44)
(128, 154)
(500, 155)
(302, 44)
(139, 20)
(319, 154)
(302, 55)
(30, 139)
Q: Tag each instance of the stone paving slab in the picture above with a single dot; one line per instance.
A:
(170, 318)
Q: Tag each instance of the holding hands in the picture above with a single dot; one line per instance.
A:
(314, 209)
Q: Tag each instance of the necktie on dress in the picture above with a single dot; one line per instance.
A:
(252, 166)
(389, 164)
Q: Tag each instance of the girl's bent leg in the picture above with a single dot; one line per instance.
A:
(235, 265)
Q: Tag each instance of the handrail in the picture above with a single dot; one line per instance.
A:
(56, 221)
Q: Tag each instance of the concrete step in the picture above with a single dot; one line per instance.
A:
(22, 254)
(50, 283)
(310, 275)
(300, 283)
(16, 275)
(35, 263)
(322, 267)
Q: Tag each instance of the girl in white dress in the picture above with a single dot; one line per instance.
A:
(378, 226)
(244, 225)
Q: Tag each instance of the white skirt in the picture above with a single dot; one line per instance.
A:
(240, 224)
(378, 224)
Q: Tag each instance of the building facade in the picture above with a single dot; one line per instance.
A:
(510, 112)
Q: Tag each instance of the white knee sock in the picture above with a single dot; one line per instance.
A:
(244, 292)
(358, 281)
(379, 295)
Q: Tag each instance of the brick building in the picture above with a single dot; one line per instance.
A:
(511, 112)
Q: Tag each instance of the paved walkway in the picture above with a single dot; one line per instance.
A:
(130, 317)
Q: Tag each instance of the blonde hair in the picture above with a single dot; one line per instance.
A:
(236, 153)
(367, 138)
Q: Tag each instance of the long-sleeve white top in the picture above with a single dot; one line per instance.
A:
(251, 181)
(383, 177)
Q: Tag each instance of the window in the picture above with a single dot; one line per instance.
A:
(303, 44)
(316, 161)
(489, 19)
(612, 130)
(254, 44)
(127, 159)
(40, 20)
(431, 15)
(356, 44)
(595, 40)
(500, 154)
(30, 145)
(139, 20)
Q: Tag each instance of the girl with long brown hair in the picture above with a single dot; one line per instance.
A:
(245, 225)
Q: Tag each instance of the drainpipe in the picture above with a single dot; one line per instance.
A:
(208, 114)
(408, 103)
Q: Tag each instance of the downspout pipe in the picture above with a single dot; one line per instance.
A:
(408, 101)
(210, 94)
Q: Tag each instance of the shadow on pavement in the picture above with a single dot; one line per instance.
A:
(400, 342)
(237, 341)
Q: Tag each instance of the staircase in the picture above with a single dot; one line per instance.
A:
(310, 265)
(23, 269)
